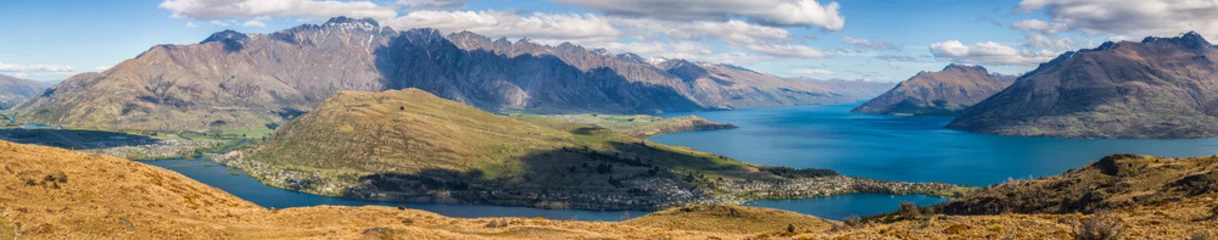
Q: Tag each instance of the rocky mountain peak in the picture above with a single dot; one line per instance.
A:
(631, 57)
(343, 22)
(227, 34)
(423, 35)
(1190, 40)
(964, 68)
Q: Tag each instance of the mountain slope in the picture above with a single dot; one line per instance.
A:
(233, 80)
(410, 145)
(1157, 88)
(14, 90)
(715, 86)
(943, 93)
(230, 80)
(52, 193)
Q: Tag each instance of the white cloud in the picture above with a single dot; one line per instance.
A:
(220, 23)
(432, 4)
(989, 53)
(786, 51)
(1039, 26)
(732, 31)
(807, 13)
(503, 24)
(1037, 40)
(851, 52)
(864, 43)
(1124, 18)
(15, 68)
(102, 68)
(253, 23)
(811, 71)
(250, 9)
(190, 25)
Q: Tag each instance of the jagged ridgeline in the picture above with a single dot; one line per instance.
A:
(410, 145)
(234, 80)
(942, 93)
(1156, 88)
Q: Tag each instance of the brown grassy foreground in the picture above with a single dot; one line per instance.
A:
(51, 193)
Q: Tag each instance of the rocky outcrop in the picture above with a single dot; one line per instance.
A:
(942, 93)
(1156, 88)
(234, 80)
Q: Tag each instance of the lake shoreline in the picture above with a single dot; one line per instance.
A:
(664, 192)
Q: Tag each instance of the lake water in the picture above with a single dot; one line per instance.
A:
(250, 189)
(904, 148)
(872, 146)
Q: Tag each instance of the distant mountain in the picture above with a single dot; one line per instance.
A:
(855, 89)
(236, 80)
(14, 90)
(942, 93)
(709, 85)
(1156, 88)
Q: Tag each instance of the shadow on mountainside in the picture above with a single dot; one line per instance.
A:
(424, 59)
(616, 178)
(74, 139)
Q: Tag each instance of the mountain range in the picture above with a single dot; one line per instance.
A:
(234, 80)
(14, 90)
(943, 93)
(1156, 88)
(859, 90)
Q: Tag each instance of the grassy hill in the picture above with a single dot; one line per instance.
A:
(415, 146)
(643, 126)
(410, 145)
(52, 193)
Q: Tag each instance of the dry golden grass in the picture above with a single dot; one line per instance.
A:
(101, 197)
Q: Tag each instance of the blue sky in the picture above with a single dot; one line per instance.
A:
(879, 40)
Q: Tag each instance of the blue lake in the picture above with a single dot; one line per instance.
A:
(872, 146)
(905, 148)
(250, 189)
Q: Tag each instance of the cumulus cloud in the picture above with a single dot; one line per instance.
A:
(190, 25)
(806, 13)
(988, 53)
(1136, 18)
(786, 51)
(16, 68)
(1037, 40)
(220, 23)
(102, 67)
(1033, 25)
(253, 23)
(249, 9)
(732, 31)
(432, 4)
(504, 24)
(864, 43)
(810, 71)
